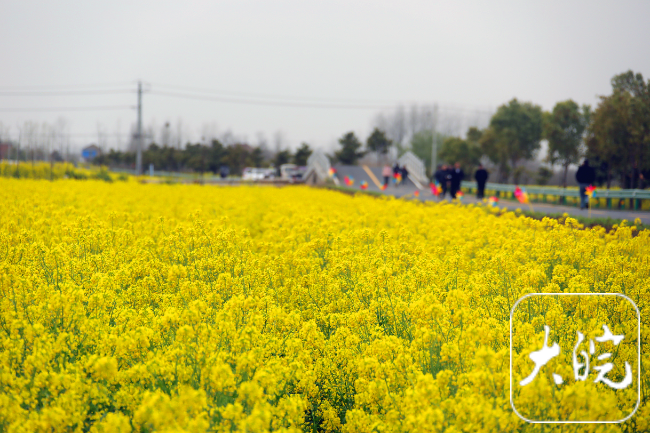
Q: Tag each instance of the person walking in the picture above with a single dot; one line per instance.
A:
(396, 171)
(457, 176)
(481, 175)
(386, 172)
(585, 176)
(404, 172)
(440, 177)
(449, 174)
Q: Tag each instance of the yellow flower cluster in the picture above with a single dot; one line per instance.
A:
(54, 171)
(132, 307)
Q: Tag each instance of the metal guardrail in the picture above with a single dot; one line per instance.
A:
(507, 191)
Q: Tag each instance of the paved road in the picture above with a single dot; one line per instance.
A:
(406, 189)
(359, 174)
(550, 209)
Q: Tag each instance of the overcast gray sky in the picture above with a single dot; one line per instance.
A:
(472, 55)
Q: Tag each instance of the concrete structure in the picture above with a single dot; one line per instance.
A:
(416, 169)
(318, 166)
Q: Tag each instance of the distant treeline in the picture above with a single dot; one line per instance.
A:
(202, 158)
(615, 137)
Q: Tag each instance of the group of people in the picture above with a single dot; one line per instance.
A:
(450, 177)
(447, 176)
(396, 172)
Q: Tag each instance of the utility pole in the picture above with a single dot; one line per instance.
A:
(138, 158)
(434, 141)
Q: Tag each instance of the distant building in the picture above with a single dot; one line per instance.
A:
(91, 152)
(5, 150)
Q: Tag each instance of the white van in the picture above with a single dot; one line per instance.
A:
(253, 173)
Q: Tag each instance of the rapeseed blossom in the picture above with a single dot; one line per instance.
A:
(131, 307)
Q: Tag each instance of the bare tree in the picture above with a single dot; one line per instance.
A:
(263, 144)
(228, 138)
(4, 132)
(133, 142)
(418, 119)
(61, 129)
(30, 129)
(209, 131)
(279, 141)
(20, 139)
(166, 135)
(401, 126)
(5, 136)
(118, 135)
(150, 132)
(101, 137)
(180, 133)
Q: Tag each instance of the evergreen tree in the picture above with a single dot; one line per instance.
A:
(302, 155)
(349, 153)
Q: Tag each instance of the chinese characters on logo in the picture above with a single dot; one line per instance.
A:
(546, 353)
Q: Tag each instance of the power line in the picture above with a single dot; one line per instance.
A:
(309, 102)
(96, 108)
(69, 86)
(280, 103)
(216, 96)
(268, 103)
(271, 96)
(79, 134)
(67, 93)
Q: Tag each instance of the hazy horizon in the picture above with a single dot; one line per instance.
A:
(289, 68)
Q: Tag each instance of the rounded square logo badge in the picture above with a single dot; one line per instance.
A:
(575, 358)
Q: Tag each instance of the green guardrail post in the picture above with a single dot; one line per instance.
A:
(637, 204)
(544, 198)
(609, 203)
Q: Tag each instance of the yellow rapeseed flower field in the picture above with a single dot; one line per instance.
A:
(54, 171)
(131, 307)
